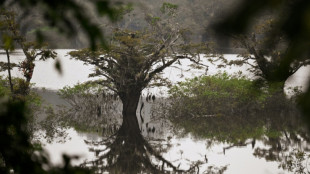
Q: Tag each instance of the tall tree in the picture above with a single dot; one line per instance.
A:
(293, 22)
(135, 60)
(264, 54)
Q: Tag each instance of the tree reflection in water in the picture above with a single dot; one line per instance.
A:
(124, 148)
(278, 128)
(128, 152)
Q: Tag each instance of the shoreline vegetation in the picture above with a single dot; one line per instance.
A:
(205, 96)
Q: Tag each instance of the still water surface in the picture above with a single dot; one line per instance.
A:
(185, 148)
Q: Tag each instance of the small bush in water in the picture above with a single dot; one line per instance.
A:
(221, 94)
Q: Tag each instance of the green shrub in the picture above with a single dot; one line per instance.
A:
(221, 94)
(231, 108)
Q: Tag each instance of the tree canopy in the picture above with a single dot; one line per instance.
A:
(264, 53)
(135, 58)
(292, 21)
(132, 62)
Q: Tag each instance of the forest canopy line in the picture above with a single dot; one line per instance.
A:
(48, 24)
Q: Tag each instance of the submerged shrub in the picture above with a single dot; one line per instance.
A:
(231, 108)
(217, 95)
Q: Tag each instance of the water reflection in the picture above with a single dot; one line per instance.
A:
(278, 126)
(128, 152)
(123, 148)
(91, 110)
(273, 133)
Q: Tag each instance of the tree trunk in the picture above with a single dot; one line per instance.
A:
(130, 103)
(130, 153)
(129, 143)
(9, 70)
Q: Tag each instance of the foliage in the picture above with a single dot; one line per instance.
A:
(168, 8)
(204, 105)
(264, 53)
(35, 112)
(268, 118)
(17, 154)
(32, 50)
(80, 89)
(197, 15)
(135, 58)
(4, 90)
(213, 93)
(71, 14)
(134, 61)
(216, 170)
(32, 99)
(20, 150)
(292, 21)
(297, 162)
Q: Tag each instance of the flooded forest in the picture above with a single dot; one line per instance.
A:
(141, 86)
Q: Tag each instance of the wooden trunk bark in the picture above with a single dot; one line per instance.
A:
(130, 103)
(130, 152)
(129, 144)
(9, 70)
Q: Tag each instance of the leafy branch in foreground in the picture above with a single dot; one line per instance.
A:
(69, 15)
(32, 50)
(17, 153)
(264, 53)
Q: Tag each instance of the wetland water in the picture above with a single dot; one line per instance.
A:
(178, 141)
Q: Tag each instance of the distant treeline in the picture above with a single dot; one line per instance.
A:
(195, 15)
